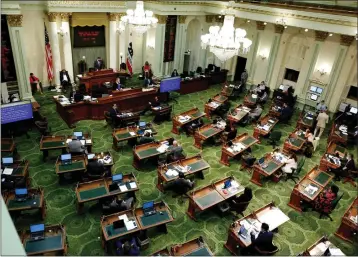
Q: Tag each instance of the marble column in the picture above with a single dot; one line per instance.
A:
(113, 40)
(67, 49)
(18, 51)
(55, 47)
(123, 42)
(320, 37)
(333, 87)
(180, 40)
(158, 65)
(252, 55)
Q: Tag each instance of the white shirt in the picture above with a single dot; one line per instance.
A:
(65, 77)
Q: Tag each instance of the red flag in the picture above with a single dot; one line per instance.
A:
(48, 56)
(129, 59)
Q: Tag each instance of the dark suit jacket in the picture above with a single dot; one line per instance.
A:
(113, 113)
(61, 76)
(98, 65)
(155, 104)
(145, 140)
(116, 86)
(95, 168)
(349, 165)
(263, 241)
(286, 113)
(232, 134)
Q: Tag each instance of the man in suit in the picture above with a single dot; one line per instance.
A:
(344, 169)
(98, 64)
(263, 241)
(181, 185)
(146, 138)
(75, 146)
(286, 113)
(78, 97)
(175, 152)
(155, 103)
(95, 168)
(65, 79)
(255, 113)
(113, 113)
(244, 77)
(322, 120)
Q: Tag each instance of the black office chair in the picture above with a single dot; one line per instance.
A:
(238, 208)
(248, 163)
(334, 205)
(260, 252)
(274, 138)
(295, 172)
(109, 120)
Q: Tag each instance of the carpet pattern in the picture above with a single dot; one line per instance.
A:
(294, 236)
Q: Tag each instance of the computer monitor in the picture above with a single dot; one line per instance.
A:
(78, 134)
(313, 89)
(65, 157)
(353, 110)
(20, 192)
(118, 224)
(7, 160)
(261, 160)
(227, 183)
(281, 87)
(142, 124)
(90, 156)
(314, 97)
(37, 231)
(148, 205)
(117, 178)
(319, 90)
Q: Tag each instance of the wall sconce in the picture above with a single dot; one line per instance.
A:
(121, 28)
(62, 32)
(323, 70)
(264, 54)
(150, 45)
(121, 54)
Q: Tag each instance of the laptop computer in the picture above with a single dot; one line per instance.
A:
(78, 134)
(243, 231)
(66, 159)
(227, 184)
(37, 232)
(8, 161)
(21, 194)
(90, 156)
(118, 224)
(117, 178)
(142, 124)
(148, 208)
(261, 161)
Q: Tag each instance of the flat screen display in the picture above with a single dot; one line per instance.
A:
(313, 89)
(16, 112)
(353, 110)
(314, 97)
(319, 90)
(88, 36)
(170, 84)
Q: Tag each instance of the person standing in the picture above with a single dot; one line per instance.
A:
(98, 64)
(65, 79)
(321, 107)
(322, 120)
(35, 83)
(244, 77)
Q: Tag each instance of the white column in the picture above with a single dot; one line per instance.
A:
(67, 49)
(18, 50)
(158, 67)
(272, 59)
(252, 55)
(278, 59)
(181, 46)
(113, 40)
(123, 42)
(55, 47)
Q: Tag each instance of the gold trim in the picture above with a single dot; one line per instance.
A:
(52, 16)
(346, 40)
(65, 16)
(279, 29)
(162, 19)
(320, 35)
(113, 16)
(182, 19)
(14, 20)
(260, 25)
(85, 4)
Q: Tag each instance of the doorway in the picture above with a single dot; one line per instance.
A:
(240, 67)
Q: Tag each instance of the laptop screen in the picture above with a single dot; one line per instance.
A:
(148, 205)
(78, 134)
(117, 178)
(118, 224)
(20, 191)
(142, 124)
(65, 157)
(262, 160)
(313, 89)
(319, 90)
(353, 110)
(37, 228)
(7, 160)
(90, 156)
(227, 183)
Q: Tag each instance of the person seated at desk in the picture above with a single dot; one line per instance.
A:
(190, 127)
(148, 81)
(323, 203)
(308, 145)
(181, 185)
(98, 64)
(118, 205)
(117, 84)
(286, 113)
(254, 114)
(128, 248)
(113, 113)
(155, 103)
(96, 168)
(260, 87)
(146, 138)
(290, 164)
(263, 241)
(321, 107)
(78, 97)
(343, 170)
(232, 134)
(175, 152)
(76, 147)
(243, 198)
(175, 73)
(262, 97)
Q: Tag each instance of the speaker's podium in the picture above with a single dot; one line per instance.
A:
(100, 77)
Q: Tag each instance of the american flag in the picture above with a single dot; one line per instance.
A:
(48, 56)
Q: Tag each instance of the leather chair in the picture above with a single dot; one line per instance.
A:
(108, 119)
(239, 208)
(274, 138)
(143, 240)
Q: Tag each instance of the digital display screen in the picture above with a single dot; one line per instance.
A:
(319, 90)
(170, 84)
(353, 110)
(16, 112)
(314, 97)
(88, 36)
(313, 89)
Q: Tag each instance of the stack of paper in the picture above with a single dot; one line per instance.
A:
(311, 189)
(214, 104)
(319, 249)
(133, 185)
(83, 142)
(147, 130)
(354, 219)
(254, 96)
(132, 133)
(88, 141)
(130, 225)
(123, 188)
(266, 127)
(237, 147)
(68, 140)
(171, 172)
(7, 171)
(162, 148)
(336, 251)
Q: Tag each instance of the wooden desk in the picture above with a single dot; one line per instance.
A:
(194, 85)
(7, 147)
(146, 151)
(35, 200)
(238, 114)
(35, 106)
(211, 195)
(101, 155)
(195, 247)
(219, 100)
(196, 163)
(275, 110)
(194, 115)
(88, 141)
(99, 78)
(306, 120)
(250, 101)
(49, 143)
(204, 133)
(315, 178)
(78, 165)
(161, 113)
(267, 120)
(128, 133)
(227, 152)
(331, 150)
(337, 136)
(273, 166)
(55, 242)
(295, 141)
(20, 170)
(314, 250)
(163, 252)
(348, 227)
(218, 77)
(256, 218)
(226, 90)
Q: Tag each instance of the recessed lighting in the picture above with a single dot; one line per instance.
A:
(306, 30)
(265, 23)
(330, 34)
(248, 20)
(285, 27)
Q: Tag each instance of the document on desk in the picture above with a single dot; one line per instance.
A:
(336, 251)
(172, 172)
(130, 225)
(88, 141)
(319, 249)
(162, 148)
(133, 185)
(266, 127)
(7, 171)
(311, 190)
(83, 142)
(123, 188)
(68, 140)
(123, 217)
(132, 133)
(274, 217)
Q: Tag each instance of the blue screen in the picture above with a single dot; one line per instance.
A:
(170, 84)
(16, 112)
(7, 160)
(37, 228)
(227, 184)
(148, 205)
(142, 124)
(20, 191)
(77, 134)
(117, 178)
(65, 157)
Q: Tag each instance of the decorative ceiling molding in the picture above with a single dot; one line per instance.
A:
(346, 40)
(84, 4)
(162, 19)
(279, 29)
(52, 16)
(320, 35)
(14, 20)
(65, 16)
(182, 19)
(260, 25)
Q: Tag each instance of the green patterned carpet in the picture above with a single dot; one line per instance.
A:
(84, 230)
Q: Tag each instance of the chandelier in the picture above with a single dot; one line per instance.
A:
(139, 20)
(226, 42)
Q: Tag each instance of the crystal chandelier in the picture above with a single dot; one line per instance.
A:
(139, 20)
(226, 42)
